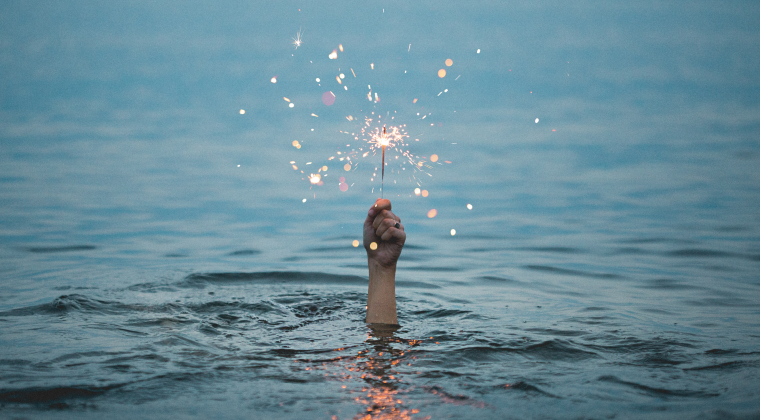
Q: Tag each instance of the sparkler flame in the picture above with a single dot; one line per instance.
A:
(297, 40)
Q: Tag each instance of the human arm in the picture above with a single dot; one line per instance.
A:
(384, 229)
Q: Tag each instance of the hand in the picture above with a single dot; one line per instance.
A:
(385, 229)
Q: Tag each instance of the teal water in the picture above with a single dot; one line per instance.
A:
(158, 258)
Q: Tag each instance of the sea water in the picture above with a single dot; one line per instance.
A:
(595, 252)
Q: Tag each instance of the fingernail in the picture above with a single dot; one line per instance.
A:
(371, 212)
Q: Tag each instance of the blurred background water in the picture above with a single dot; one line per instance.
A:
(161, 257)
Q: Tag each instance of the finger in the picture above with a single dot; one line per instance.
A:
(384, 225)
(385, 214)
(382, 204)
(397, 235)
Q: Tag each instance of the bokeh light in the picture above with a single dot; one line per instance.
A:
(469, 206)
(373, 246)
(432, 213)
(425, 193)
(242, 111)
(453, 232)
(449, 62)
(417, 192)
(355, 243)
(434, 158)
(347, 167)
(328, 98)
(442, 73)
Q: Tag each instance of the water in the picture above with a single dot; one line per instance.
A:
(607, 269)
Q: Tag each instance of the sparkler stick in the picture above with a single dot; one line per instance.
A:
(382, 176)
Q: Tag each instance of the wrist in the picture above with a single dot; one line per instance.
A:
(378, 268)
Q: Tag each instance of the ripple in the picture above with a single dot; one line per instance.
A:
(658, 392)
(66, 248)
(569, 272)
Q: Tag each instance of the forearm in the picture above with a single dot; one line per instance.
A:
(381, 294)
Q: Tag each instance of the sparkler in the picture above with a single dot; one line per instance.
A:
(297, 40)
(382, 176)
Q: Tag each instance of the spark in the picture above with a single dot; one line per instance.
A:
(297, 40)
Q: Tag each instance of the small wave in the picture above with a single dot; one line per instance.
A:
(658, 392)
(66, 248)
(440, 313)
(700, 253)
(51, 395)
(737, 364)
(667, 284)
(557, 350)
(552, 249)
(201, 280)
(432, 269)
(569, 272)
(66, 303)
(525, 387)
(244, 252)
